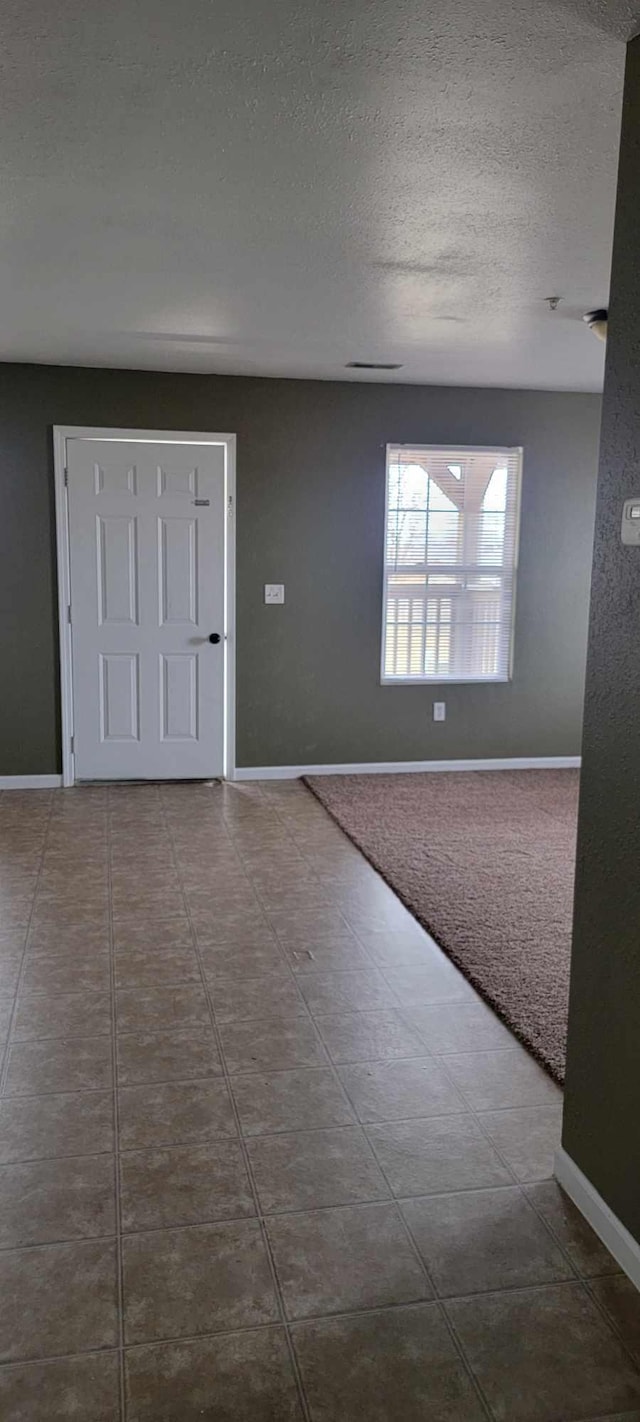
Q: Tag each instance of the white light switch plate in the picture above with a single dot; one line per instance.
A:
(273, 592)
(631, 522)
(439, 710)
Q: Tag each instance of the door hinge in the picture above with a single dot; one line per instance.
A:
(69, 612)
(66, 478)
(73, 744)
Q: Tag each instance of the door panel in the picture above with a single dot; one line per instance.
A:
(117, 569)
(146, 532)
(119, 675)
(178, 554)
(179, 697)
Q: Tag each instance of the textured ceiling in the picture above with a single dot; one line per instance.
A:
(280, 188)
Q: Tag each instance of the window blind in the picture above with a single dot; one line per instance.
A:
(451, 541)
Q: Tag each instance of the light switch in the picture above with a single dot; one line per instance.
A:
(439, 710)
(631, 522)
(273, 593)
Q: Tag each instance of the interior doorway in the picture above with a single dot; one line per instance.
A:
(146, 576)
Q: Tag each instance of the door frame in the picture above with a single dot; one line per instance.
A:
(61, 433)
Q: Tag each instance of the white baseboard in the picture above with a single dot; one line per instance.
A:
(30, 782)
(405, 767)
(612, 1232)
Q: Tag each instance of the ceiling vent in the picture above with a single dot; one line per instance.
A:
(372, 365)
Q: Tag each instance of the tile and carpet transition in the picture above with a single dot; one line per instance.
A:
(485, 862)
(265, 1156)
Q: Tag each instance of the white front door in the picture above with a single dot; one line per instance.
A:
(147, 549)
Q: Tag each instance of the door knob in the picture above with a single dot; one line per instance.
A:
(214, 637)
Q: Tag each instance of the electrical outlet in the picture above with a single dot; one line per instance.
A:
(273, 592)
(439, 710)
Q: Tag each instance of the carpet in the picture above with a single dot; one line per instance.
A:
(485, 862)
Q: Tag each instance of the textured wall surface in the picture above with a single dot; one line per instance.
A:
(311, 464)
(602, 1112)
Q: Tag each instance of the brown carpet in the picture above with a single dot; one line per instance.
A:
(485, 862)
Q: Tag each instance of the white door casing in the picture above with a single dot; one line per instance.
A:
(146, 531)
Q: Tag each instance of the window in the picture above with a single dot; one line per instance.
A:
(451, 540)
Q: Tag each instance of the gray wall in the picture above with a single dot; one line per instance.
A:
(310, 514)
(602, 1111)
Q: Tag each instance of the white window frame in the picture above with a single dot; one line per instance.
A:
(438, 679)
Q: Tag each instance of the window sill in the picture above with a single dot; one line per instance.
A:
(445, 680)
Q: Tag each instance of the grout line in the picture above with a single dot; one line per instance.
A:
(576, 1274)
(243, 1147)
(4, 1060)
(441, 1062)
(609, 1318)
(31, 1247)
(367, 1203)
(50, 1159)
(209, 989)
(116, 1125)
(474, 1382)
(37, 1361)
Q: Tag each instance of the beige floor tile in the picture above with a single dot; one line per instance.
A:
(57, 1299)
(153, 937)
(66, 972)
(47, 1127)
(154, 966)
(48, 1201)
(85, 1388)
(484, 1239)
(83, 942)
(396, 1090)
(75, 1014)
(491, 1080)
(249, 1374)
(342, 1260)
(621, 1300)
(241, 960)
(310, 1170)
(435, 1156)
(271, 1045)
(586, 1251)
(399, 1363)
(433, 981)
(343, 991)
(405, 948)
(174, 1113)
(184, 1185)
(527, 1138)
(337, 953)
(59, 1064)
(368, 1036)
(207, 1279)
(454, 1027)
(6, 1009)
(358, 1060)
(176, 1055)
(544, 1354)
(162, 1008)
(271, 995)
(9, 975)
(290, 1101)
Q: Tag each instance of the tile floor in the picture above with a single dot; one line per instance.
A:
(264, 1155)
